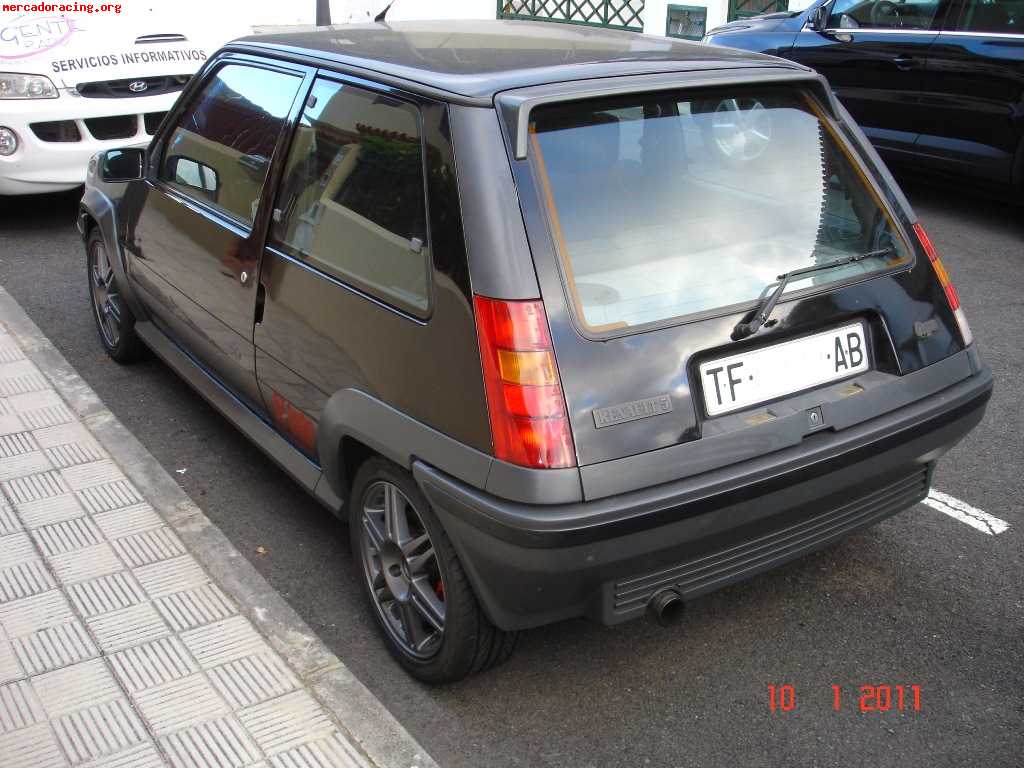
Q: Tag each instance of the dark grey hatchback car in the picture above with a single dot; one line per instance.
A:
(565, 322)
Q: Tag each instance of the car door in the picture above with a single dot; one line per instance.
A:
(198, 232)
(975, 91)
(873, 54)
(363, 279)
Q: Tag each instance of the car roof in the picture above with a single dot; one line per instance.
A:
(476, 59)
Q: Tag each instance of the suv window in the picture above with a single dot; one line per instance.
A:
(708, 203)
(882, 14)
(352, 199)
(220, 150)
(993, 16)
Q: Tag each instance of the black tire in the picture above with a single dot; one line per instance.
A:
(469, 642)
(114, 320)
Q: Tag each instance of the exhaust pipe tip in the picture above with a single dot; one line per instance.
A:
(666, 607)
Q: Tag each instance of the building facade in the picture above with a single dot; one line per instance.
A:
(688, 19)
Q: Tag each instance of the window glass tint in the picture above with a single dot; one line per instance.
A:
(696, 205)
(221, 148)
(882, 14)
(996, 16)
(352, 199)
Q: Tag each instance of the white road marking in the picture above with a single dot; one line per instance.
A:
(965, 513)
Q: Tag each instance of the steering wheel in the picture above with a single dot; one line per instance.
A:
(884, 10)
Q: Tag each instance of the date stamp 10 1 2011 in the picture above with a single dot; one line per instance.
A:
(881, 697)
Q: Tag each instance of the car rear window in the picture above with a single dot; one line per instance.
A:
(662, 207)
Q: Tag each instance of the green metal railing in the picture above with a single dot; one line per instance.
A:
(742, 9)
(617, 14)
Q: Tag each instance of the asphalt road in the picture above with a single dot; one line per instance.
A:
(919, 600)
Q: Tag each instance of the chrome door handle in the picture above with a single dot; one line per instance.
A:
(904, 63)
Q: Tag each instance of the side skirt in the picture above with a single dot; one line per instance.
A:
(302, 470)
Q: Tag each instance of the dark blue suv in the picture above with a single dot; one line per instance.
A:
(939, 83)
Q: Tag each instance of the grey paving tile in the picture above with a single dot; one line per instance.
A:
(32, 401)
(17, 384)
(66, 536)
(106, 593)
(152, 664)
(86, 563)
(180, 704)
(49, 416)
(41, 485)
(56, 509)
(122, 629)
(10, 423)
(47, 609)
(9, 522)
(144, 755)
(101, 729)
(74, 433)
(286, 722)
(33, 747)
(10, 669)
(169, 576)
(224, 641)
(23, 464)
(19, 706)
(16, 444)
(73, 454)
(24, 579)
(128, 521)
(76, 687)
(53, 647)
(148, 547)
(332, 752)
(252, 679)
(194, 607)
(222, 742)
(109, 495)
(16, 547)
(98, 472)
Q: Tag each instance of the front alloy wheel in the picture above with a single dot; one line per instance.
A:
(114, 320)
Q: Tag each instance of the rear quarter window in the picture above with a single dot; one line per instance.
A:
(352, 200)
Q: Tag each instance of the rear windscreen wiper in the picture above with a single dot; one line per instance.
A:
(767, 301)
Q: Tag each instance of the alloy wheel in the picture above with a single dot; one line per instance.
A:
(106, 301)
(401, 570)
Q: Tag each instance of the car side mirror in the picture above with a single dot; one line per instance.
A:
(123, 164)
(818, 20)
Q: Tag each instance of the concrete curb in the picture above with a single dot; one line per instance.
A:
(357, 711)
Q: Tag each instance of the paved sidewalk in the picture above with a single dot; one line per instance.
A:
(132, 634)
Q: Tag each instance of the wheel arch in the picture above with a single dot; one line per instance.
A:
(97, 211)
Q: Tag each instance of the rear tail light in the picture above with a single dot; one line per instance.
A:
(524, 394)
(945, 282)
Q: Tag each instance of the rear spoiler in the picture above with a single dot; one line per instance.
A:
(515, 106)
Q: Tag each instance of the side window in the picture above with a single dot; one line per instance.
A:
(351, 201)
(882, 14)
(992, 16)
(220, 150)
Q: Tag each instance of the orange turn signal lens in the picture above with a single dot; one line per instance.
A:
(536, 368)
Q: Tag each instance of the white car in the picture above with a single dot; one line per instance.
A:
(71, 86)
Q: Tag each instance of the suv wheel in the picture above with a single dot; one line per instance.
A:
(420, 597)
(114, 320)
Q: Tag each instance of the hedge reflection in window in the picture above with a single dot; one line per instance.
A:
(352, 200)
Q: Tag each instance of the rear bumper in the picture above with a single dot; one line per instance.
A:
(533, 565)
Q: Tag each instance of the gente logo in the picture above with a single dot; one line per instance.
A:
(25, 36)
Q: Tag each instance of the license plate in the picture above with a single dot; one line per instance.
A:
(746, 379)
